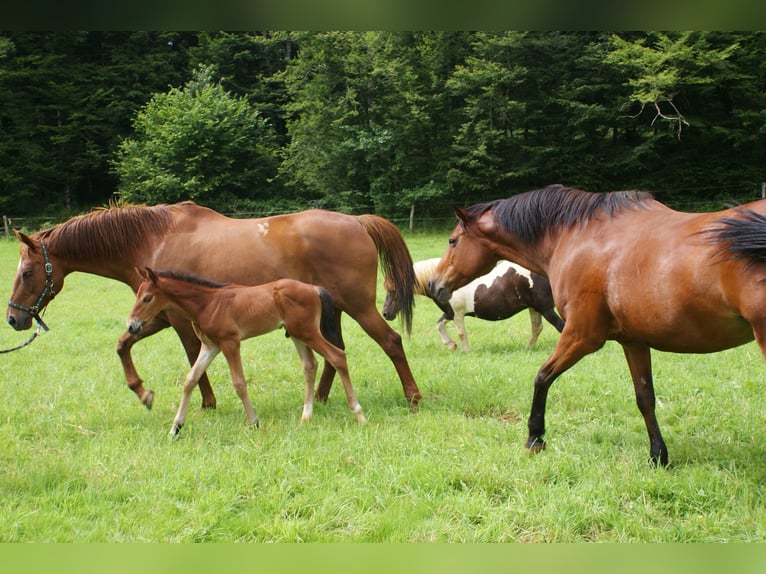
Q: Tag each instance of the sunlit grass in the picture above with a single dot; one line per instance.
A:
(83, 460)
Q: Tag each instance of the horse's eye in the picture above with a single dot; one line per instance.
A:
(148, 299)
(452, 240)
(26, 274)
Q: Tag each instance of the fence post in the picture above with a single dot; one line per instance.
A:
(5, 226)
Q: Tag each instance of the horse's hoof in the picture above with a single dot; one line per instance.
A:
(256, 424)
(148, 399)
(174, 430)
(535, 445)
(414, 401)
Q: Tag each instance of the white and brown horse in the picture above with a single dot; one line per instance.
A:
(224, 315)
(500, 294)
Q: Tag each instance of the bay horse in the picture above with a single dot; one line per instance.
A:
(336, 251)
(622, 267)
(223, 315)
(500, 294)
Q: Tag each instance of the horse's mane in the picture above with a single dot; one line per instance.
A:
(190, 278)
(108, 232)
(740, 237)
(423, 270)
(530, 215)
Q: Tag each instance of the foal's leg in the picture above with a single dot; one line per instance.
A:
(206, 355)
(124, 345)
(337, 358)
(231, 350)
(536, 320)
(639, 359)
(309, 365)
(441, 326)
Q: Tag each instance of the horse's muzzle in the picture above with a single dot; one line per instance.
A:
(438, 291)
(135, 326)
(21, 323)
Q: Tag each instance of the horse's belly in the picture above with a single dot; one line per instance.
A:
(692, 338)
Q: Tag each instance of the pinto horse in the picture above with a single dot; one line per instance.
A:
(225, 315)
(500, 294)
(338, 252)
(622, 267)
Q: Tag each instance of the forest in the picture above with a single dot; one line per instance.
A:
(402, 124)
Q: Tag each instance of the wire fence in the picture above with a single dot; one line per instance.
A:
(421, 222)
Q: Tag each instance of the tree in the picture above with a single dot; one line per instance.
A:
(198, 142)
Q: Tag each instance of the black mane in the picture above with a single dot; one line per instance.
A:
(743, 237)
(190, 278)
(531, 214)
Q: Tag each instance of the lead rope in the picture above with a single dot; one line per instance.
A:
(32, 338)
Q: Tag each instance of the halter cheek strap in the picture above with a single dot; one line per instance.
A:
(48, 291)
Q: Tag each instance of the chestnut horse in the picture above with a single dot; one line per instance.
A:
(500, 294)
(224, 315)
(338, 252)
(622, 267)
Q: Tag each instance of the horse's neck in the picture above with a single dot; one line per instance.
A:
(189, 298)
(423, 270)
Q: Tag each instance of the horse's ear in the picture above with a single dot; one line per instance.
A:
(151, 275)
(24, 239)
(460, 213)
(141, 272)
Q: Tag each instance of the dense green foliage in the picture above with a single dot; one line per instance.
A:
(376, 121)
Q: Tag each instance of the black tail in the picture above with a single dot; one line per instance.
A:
(743, 238)
(328, 322)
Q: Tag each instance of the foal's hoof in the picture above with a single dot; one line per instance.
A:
(535, 444)
(148, 399)
(414, 402)
(174, 430)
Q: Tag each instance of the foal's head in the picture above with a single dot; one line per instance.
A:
(150, 300)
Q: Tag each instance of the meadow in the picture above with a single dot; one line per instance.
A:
(83, 461)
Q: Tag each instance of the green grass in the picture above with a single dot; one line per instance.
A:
(83, 460)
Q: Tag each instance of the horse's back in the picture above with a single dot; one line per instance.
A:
(658, 279)
(314, 246)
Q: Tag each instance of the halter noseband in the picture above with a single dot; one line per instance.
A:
(34, 310)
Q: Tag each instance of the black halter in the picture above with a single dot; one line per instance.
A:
(48, 291)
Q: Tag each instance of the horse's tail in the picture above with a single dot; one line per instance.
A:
(742, 237)
(328, 323)
(396, 262)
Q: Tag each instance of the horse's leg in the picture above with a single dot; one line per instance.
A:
(328, 371)
(337, 358)
(461, 333)
(124, 346)
(231, 350)
(205, 357)
(571, 347)
(391, 342)
(191, 344)
(553, 318)
(536, 321)
(309, 366)
(639, 359)
(441, 327)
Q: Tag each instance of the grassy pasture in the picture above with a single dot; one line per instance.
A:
(83, 461)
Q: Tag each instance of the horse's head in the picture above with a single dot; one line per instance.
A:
(469, 255)
(38, 278)
(150, 301)
(392, 304)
